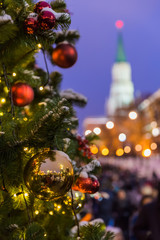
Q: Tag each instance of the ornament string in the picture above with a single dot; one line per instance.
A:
(27, 208)
(75, 215)
(9, 88)
(45, 60)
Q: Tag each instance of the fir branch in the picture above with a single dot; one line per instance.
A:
(58, 5)
(63, 22)
(7, 32)
(35, 232)
(95, 232)
(71, 36)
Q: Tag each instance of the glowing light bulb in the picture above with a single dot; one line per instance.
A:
(1, 114)
(3, 100)
(26, 194)
(109, 125)
(127, 149)
(41, 88)
(132, 115)
(59, 207)
(36, 212)
(105, 151)
(76, 195)
(45, 235)
(146, 153)
(39, 45)
(15, 195)
(51, 213)
(63, 212)
(14, 74)
(97, 130)
(87, 132)
(25, 149)
(122, 137)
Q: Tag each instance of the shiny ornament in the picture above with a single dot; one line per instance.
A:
(30, 25)
(49, 175)
(64, 55)
(87, 185)
(40, 5)
(22, 94)
(84, 147)
(78, 200)
(46, 19)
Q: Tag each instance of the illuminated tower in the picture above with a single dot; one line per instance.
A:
(122, 89)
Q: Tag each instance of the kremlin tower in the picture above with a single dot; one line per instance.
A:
(122, 89)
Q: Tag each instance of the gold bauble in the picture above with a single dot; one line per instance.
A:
(49, 175)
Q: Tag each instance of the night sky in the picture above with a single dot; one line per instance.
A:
(95, 20)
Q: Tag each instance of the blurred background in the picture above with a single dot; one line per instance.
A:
(118, 70)
(95, 20)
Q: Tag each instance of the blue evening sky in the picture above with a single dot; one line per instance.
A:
(95, 20)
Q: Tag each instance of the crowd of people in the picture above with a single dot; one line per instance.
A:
(128, 204)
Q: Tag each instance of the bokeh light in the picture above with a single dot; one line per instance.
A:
(138, 148)
(97, 130)
(94, 149)
(109, 125)
(105, 151)
(122, 137)
(87, 132)
(2, 100)
(132, 115)
(146, 152)
(154, 124)
(127, 149)
(155, 132)
(119, 152)
(153, 146)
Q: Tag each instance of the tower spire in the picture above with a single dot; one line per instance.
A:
(122, 89)
(120, 57)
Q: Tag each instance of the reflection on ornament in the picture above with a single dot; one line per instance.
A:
(30, 25)
(40, 5)
(78, 200)
(49, 175)
(87, 185)
(64, 55)
(22, 94)
(46, 19)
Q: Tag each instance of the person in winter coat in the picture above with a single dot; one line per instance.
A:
(147, 226)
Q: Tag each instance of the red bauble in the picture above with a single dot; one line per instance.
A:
(86, 185)
(64, 55)
(40, 5)
(46, 19)
(22, 94)
(30, 25)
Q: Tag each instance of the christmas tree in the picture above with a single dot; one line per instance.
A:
(45, 167)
